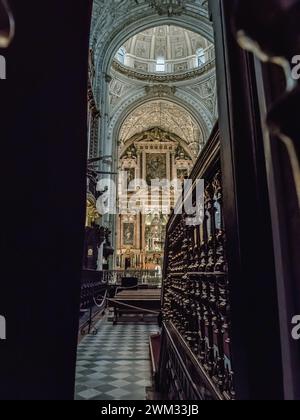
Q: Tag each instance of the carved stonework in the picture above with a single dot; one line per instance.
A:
(92, 103)
(179, 47)
(207, 91)
(182, 159)
(163, 78)
(160, 91)
(91, 76)
(168, 7)
(168, 116)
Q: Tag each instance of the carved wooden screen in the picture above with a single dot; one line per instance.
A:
(196, 302)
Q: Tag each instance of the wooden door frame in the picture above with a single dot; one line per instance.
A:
(38, 359)
(43, 114)
(256, 343)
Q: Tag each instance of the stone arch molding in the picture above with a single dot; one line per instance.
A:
(115, 21)
(198, 96)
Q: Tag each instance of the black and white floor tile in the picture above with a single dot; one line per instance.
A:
(115, 363)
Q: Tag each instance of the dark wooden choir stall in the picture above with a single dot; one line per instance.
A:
(196, 359)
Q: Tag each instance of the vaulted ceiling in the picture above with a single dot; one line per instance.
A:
(167, 116)
(182, 102)
(170, 42)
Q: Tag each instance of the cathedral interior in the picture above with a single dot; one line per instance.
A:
(151, 223)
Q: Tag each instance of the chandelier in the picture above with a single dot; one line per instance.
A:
(168, 7)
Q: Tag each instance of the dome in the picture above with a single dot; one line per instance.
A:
(165, 49)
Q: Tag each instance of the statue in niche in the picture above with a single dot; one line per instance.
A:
(182, 174)
(180, 154)
(183, 164)
(130, 157)
(131, 152)
(156, 134)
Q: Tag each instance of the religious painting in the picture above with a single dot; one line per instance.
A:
(156, 167)
(128, 234)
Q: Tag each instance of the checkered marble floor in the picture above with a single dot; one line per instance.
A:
(115, 363)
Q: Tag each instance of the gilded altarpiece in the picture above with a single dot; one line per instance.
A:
(154, 155)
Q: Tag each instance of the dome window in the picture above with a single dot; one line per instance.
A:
(121, 55)
(201, 59)
(160, 64)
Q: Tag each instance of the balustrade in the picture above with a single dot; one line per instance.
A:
(144, 277)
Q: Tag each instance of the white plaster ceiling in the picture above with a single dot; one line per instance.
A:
(170, 42)
(176, 45)
(165, 115)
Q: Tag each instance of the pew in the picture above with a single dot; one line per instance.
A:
(141, 302)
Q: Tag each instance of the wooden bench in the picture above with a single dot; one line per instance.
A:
(139, 302)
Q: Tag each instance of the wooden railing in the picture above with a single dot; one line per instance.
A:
(196, 309)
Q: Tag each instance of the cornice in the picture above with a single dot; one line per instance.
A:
(163, 78)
